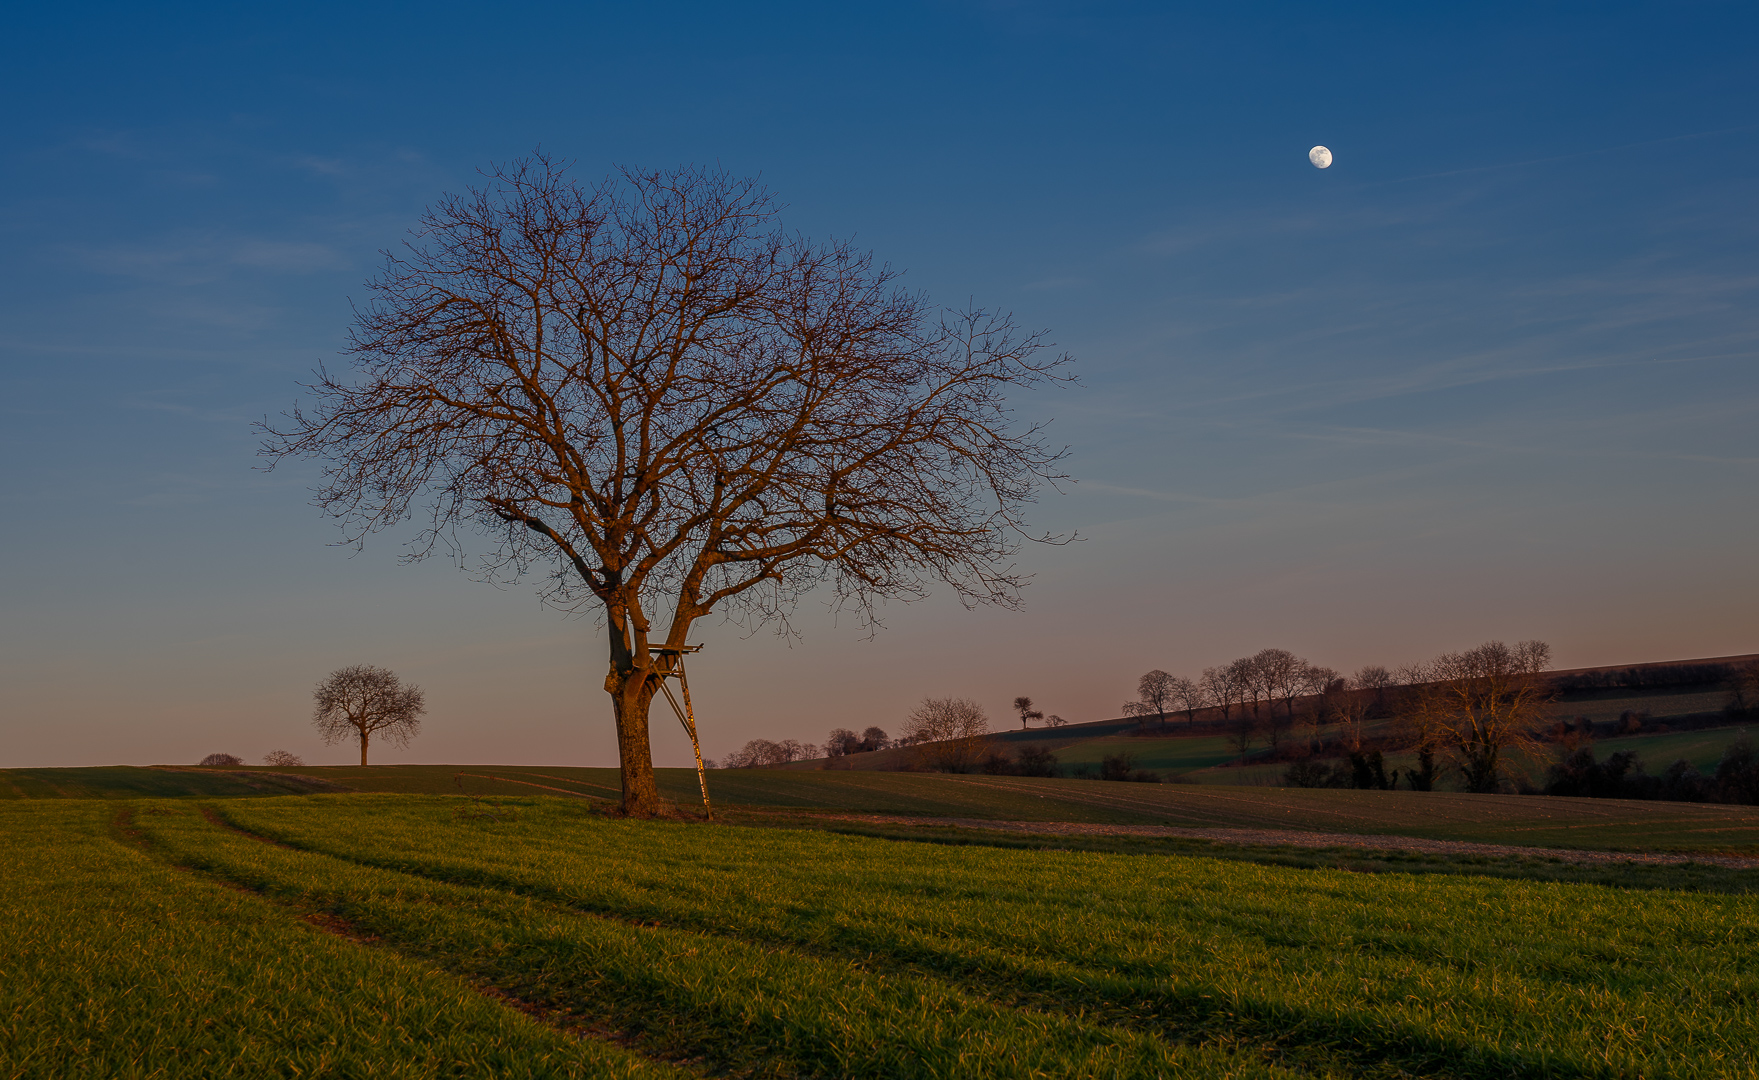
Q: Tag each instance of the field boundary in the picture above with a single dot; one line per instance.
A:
(1317, 840)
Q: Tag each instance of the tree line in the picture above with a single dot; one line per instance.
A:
(1462, 711)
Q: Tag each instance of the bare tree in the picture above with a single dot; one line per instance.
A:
(1023, 706)
(282, 759)
(1053, 720)
(362, 701)
(221, 759)
(841, 742)
(949, 734)
(652, 390)
(1477, 705)
(795, 750)
(874, 738)
(1224, 687)
(1157, 691)
(1190, 697)
(1250, 682)
(1348, 703)
(756, 754)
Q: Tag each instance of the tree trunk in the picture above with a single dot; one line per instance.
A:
(641, 796)
(363, 739)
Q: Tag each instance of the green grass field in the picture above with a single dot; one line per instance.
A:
(1506, 819)
(643, 949)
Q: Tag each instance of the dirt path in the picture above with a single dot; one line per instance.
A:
(1286, 838)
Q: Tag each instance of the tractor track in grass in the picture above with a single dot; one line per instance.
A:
(1184, 1019)
(572, 1024)
(1311, 840)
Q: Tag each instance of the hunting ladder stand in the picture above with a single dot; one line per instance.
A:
(686, 715)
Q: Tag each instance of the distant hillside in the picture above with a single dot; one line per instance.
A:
(1685, 689)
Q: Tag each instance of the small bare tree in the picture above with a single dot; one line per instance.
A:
(651, 389)
(363, 701)
(1053, 720)
(222, 759)
(1478, 705)
(949, 734)
(1023, 706)
(282, 759)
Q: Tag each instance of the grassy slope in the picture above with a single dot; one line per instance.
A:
(811, 953)
(113, 964)
(1702, 748)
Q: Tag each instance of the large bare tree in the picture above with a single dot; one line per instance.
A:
(648, 388)
(1476, 706)
(948, 734)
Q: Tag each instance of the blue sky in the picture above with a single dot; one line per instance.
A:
(1490, 375)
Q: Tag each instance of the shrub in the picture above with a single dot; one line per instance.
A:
(1368, 771)
(1424, 776)
(1314, 774)
(221, 759)
(1683, 783)
(1737, 774)
(1618, 777)
(282, 759)
(1037, 761)
(1122, 766)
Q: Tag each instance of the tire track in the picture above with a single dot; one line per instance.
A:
(574, 1025)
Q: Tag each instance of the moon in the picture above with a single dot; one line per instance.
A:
(1320, 156)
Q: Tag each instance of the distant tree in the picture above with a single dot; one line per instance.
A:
(1478, 705)
(949, 734)
(1284, 676)
(1743, 686)
(842, 741)
(1190, 696)
(795, 750)
(1249, 683)
(1348, 703)
(874, 738)
(362, 702)
(282, 759)
(755, 755)
(1157, 691)
(1023, 706)
(1053, 720)
(1375, 679)
(1222, 687)
(221, 759)
(675, 408)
